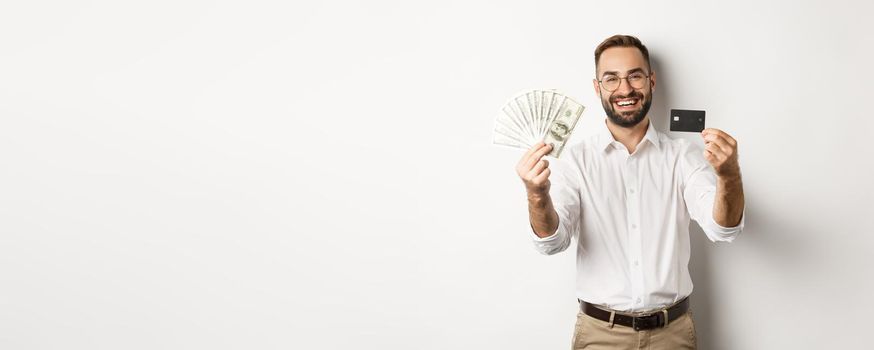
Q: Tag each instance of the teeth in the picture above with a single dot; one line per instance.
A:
(626, 103)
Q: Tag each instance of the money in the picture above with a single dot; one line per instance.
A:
(562, 125)
(534, 116)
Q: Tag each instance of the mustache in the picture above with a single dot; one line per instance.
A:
(633, 94)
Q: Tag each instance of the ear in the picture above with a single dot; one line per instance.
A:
(595, 85)
(652, 81)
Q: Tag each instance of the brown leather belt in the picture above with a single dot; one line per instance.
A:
(652, 320)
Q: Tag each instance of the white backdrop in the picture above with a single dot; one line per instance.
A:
(319, 175)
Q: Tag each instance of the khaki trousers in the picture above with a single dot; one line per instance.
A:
(593, 334)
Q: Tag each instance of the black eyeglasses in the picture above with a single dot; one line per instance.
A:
(636, 80)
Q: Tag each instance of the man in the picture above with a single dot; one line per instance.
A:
(627, 196)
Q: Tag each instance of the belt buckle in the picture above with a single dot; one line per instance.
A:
(638, 326)
(635, 324)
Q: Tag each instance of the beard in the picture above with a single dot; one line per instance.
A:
(630, 118)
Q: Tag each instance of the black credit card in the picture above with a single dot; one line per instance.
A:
(687, 120)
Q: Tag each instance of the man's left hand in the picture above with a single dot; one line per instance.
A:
(720, 150)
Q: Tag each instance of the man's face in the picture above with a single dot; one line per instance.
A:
(627, 106)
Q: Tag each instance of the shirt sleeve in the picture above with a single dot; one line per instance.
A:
(565, 194)
(700, 197)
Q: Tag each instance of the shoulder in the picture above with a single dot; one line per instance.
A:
(687, 155)
(577, 156)
(679, 146)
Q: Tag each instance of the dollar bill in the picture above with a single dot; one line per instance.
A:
(548, 109)
(520, 107)
(562, 125)
(534, 116)
(509, 133)
(510, 120)
(502, 140)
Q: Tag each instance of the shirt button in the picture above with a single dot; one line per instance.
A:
(634, 226)
(635, 263)
(632, 191)
(638, 300)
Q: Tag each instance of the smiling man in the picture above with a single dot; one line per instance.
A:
(626, 198)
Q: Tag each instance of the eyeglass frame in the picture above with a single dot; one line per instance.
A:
(601, 84)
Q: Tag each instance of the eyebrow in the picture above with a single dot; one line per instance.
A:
(613, 72)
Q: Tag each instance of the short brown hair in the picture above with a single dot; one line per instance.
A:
(621, 41)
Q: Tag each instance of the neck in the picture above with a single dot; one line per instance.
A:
(630, 137)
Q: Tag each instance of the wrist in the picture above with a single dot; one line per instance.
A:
(538, 196)
(729, 183)
(732, 178)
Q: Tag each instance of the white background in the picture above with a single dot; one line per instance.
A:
(319, 175)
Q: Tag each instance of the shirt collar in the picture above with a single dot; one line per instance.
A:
(606, 137)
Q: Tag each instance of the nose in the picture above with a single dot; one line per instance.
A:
(624, 87)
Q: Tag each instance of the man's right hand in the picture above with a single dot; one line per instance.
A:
(534, 170)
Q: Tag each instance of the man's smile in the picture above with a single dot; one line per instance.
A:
(626, 104)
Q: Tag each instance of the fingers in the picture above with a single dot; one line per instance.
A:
(722, 141)
(537, 155)
(712, 134)
(726, 143)
(530, 152)
(542, 164)
(719, 144)
(720, 150)
(533, 169)
(712, 152)
(709, 157)
(543, 177)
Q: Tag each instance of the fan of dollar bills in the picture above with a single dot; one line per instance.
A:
(534, 116)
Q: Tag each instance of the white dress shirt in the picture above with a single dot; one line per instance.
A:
(629, 216)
